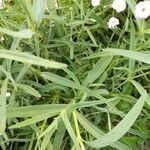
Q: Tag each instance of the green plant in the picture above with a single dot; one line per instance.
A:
(74, 83)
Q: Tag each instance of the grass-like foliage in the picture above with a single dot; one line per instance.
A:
(72, 80)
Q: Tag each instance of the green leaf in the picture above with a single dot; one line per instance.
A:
(26, 33)
(33, 120)
(38, 10)
(49, 132)
(141, 91)
(52, 86)
(72, 75)
(22, 72)
(7, 74)
(46, 141)
(52, 126)
(133, 43)
(31, 111)
(132, 4)
(70, 129)
(138, 87)
(89, 104)
(131, 54)
(27, 6)
(98, 69)
(125, 124)
(97, 133)
(3, 107)
(60, 80)
(147, 31)
(91, 36)
(59, 136)
(28, 89)
(30, 59)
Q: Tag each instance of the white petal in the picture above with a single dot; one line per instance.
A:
(113, 22)
(8, 94)
(119, 5)
(95, 3)
(142, 10)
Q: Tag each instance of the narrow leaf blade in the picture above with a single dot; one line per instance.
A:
(26, 33)
(3, 107)
(126, 123)
(32, 111)
(96, 132)
(30, 59)
(131, 54)
(60, 80)
(28, 89)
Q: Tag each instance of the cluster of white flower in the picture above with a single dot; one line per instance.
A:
(118, 6)
(142, 10)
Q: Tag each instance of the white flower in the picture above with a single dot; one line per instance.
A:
(56, 4)
(26, 33)
(1, 4)
(119, 5)
(113, 22)
(2, 39)
(142, 10)
(95, 2)
(8, 94)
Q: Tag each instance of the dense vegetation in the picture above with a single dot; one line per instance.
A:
(68, 82)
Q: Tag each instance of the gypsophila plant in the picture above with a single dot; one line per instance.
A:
(74, 74)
